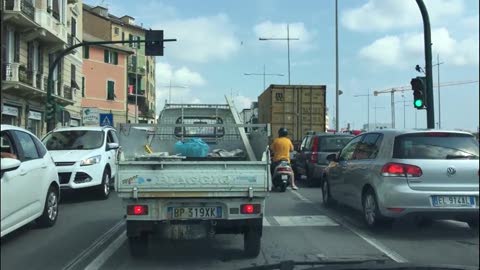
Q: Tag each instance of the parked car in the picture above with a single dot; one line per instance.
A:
(30, 189)
(311, 158)
(85, 157)
(389, 174)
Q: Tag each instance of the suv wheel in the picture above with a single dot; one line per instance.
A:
(104, 188)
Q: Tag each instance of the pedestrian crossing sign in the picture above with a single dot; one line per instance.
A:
(106, 119)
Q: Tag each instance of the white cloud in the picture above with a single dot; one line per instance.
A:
(200, 39)
(383, 15)
(183, 80)
(407, 49)
(242, 102)
(268, 29)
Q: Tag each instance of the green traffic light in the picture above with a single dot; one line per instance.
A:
(418, 103)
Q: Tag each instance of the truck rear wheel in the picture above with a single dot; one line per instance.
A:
(138, 245)
(252, 243)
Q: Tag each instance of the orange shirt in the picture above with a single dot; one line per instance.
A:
(281, 148)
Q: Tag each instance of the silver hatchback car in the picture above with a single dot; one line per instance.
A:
(388, 174)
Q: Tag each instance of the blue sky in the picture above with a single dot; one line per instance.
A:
(381, 41)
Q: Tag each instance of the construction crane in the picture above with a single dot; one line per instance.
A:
(393, 90)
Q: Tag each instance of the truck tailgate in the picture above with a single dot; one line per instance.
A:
(192, 179)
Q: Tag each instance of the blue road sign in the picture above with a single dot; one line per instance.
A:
(106, 119)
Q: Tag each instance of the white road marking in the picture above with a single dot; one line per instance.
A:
(369, 239)
(86, 252)
(266, 223)
(107, 253)
(302, 221)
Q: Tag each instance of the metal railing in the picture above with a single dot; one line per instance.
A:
(28, 9)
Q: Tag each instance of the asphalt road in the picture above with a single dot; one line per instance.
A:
(89, 234)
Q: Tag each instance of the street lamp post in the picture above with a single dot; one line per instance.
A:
(288, 47)
(336, 68)
(263, 74)
(368, 108)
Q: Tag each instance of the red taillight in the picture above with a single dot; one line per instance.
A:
(137, 210)
(396, 210)
(314, 156)
(398, 169)
(250, 208)
(284, 169)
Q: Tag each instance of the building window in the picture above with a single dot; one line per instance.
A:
(74, 27)
(73, 75)
(130, 38)
(83, 86)
(10, 115)
(110, 90)
(123, 36)
(111, 57)
(116, 30)
(138, 44)
(34, 124)
(86, 52)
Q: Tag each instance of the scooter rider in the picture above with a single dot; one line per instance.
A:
(281, 148)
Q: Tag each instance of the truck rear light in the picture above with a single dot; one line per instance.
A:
(250, 209)
(137, 210)
(399, 169)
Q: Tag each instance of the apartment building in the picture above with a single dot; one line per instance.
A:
(140, 68)
(33, 34)
(105, 81)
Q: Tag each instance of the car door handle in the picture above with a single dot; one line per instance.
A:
(23, 172)
(44, 166)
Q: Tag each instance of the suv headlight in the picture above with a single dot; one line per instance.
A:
(91, 161)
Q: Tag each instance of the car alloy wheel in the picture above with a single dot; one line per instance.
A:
(52, 206)
(106, 185)
(369, 209)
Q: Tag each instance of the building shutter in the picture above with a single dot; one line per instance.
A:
(110, 90)
(106, 56)
(16, 57)
(86, 52)
(115, 58)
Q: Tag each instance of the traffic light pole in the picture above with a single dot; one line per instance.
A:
(428, 64)
(51, 121)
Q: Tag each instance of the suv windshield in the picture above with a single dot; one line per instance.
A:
(435, 146)
(74, 139)
(333, 144)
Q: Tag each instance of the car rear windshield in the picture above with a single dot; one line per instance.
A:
(333, 144)
(435, 145)
(74, 140)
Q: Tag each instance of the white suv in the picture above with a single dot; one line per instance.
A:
(85, 157)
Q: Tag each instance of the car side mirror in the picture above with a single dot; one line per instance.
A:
(332, 157)
(9, 164)
(112, 146)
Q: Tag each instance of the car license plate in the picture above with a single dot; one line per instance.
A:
(284, 177)
(453, 201)
(194, 212)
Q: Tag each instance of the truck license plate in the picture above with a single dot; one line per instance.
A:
(453, 201)
(194, 212)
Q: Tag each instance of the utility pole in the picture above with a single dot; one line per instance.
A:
(264, 74)
(288, 47)
(136, 84)
(336, 68)
(428, 63)
(438, 86)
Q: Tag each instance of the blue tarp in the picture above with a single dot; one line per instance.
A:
(194, 147)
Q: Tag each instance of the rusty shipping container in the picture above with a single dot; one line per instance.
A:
(299, 108)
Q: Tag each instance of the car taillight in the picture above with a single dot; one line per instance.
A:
(284, 169)
(250, 208)
(399, 169)
(314, 156)
(137, 210)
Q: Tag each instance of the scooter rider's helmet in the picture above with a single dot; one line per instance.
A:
(282, 132)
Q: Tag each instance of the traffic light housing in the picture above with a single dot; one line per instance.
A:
(154, 42)
(50, 111)
(419, 92)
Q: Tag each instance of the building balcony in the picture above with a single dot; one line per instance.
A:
(139, 71)
(20, 13)
(30, 84)
(54, 30)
